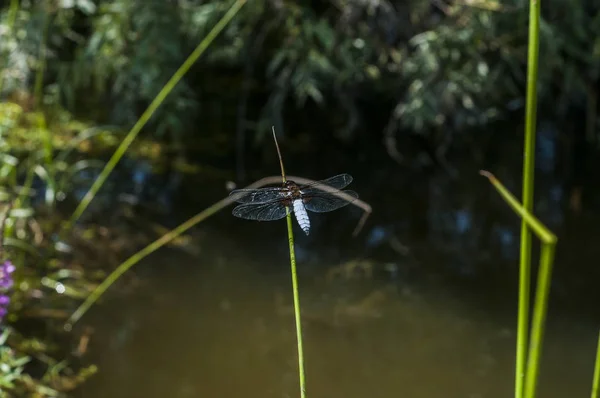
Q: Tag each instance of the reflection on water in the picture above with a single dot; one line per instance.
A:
(421, 304)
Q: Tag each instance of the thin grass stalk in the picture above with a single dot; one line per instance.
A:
(137, 257)
(38, 89)
(38, 94)
(158, 100)
(22, 200)
(543, 284)
(12, 13)
(295, 290)
(528, 185)
(174, 233)
(596, 381)
(540, 310)
(12, 16)
(531, 221)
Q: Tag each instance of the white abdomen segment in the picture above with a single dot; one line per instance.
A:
(301, 215)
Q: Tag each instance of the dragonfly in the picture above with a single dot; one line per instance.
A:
(270, 203)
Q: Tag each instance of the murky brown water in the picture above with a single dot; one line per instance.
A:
(422, 304)
(224, 328)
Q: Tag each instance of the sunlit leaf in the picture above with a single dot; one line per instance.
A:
(50, 193)
(22, 213)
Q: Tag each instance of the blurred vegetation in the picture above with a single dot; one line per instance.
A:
(53, 275)
(47, 280)
(427, 67)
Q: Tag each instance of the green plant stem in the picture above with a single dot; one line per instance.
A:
(162, 95)
(296, 294)
(38, 90)
(543, 284)
(137, 257)
(12, 16)
(528, 185)
(295, 290)
(530, 220)
(540, 310)
(596, 381)
(163, 240)
(38, 96)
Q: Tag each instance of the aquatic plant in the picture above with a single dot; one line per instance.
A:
(529, 348)
(32, 184)
(295, 290)
(596, 380)
(532, 347)
(529, 351)
(522, 377)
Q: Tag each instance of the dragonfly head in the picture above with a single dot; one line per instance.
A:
(290, 185)
(291, 188)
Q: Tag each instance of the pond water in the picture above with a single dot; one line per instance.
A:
(421, 304)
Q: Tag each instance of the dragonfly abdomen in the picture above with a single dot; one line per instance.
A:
(301, 215)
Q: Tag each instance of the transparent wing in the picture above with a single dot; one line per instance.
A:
(260, 195)
(323, 202)
(274, 210)
(268, 194)
(339, 181)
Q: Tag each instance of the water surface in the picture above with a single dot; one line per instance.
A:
(421, 304)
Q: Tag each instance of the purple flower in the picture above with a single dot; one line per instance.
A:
(6, 282)
(6, 269)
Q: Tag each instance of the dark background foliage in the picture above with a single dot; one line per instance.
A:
(380, 69)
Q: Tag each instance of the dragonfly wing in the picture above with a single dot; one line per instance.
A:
(262, 195)
(261, 211)
(339, 181)
(324, 202)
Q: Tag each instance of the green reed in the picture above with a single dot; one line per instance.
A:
(528, 348)
(169, 236)
(528, 186)
(596, 380)
(38, 94)
(12, 16)
(149, 112)
(548, 239)
(295, 290)
(137, 257)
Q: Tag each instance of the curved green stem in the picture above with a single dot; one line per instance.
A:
(162, 95)
(134, 259)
